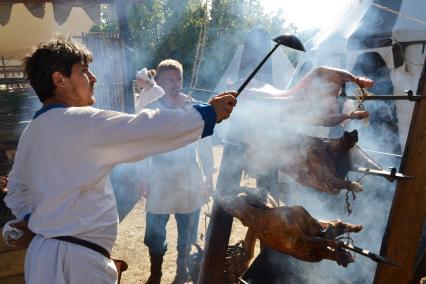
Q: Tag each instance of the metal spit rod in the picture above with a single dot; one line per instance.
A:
(375, 257)
(392, 174)
(409, 97)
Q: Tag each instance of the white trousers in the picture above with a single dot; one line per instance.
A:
(58, 262)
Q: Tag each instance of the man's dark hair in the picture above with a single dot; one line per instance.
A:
(54, 55)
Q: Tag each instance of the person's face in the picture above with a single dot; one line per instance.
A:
(170, 81)
(81, 85)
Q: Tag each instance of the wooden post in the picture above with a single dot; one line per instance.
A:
(408, 211)
(220, 226)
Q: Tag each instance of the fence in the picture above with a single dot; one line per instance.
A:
(108, 51)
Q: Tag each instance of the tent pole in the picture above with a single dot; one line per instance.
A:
(408, 212)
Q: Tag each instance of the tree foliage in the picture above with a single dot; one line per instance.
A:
(170, 29)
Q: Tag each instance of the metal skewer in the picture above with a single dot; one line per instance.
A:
(375, 257)
(392, 174)
(409, 97)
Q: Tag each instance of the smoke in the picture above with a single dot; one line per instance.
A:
(274, 142)
(275, 133)
(270, 127)
(176, 178)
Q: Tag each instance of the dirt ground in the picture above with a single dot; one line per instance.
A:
(130, 246)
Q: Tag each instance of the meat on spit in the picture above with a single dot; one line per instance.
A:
(318, 163)
(290, 229)
(311, 101)
(326, 165)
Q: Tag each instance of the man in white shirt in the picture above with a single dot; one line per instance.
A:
(177, 182)
(59, 181)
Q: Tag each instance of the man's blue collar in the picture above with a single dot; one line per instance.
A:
(46, 108)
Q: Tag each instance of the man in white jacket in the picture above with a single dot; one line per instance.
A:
(59, 181)
(177, 182)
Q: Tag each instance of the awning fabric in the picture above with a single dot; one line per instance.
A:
(61, 9)
(5, 9)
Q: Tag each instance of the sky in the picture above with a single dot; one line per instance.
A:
(307, 14)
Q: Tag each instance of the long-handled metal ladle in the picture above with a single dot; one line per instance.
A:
(286, 40)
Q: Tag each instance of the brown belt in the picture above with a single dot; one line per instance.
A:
(84, 243)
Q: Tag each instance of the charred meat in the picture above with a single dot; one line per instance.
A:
(291, 229)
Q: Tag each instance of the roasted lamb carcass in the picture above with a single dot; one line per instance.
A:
(318, 163)
(326, 165)
(311, 101)
(290, 229)
(327, 81)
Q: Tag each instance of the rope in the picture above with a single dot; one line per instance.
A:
(360, 95)
(414, 19)
(411, 18)
(347, 207)
(387, 9)
(361, 178)
(368, 157)
(202, 38)
(349, 240)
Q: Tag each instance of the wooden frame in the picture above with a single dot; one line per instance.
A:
(408, 211)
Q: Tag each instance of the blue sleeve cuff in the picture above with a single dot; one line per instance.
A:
(209, 116)
(27, 217)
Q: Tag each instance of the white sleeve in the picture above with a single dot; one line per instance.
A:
(116, 137)
(154, 93)
(18, 198)
(139, 103)
(205, 155)
(146, 97)
(136, 98)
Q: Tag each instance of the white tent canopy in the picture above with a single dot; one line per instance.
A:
(409, 30)
(395, 30)
(278, 67)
